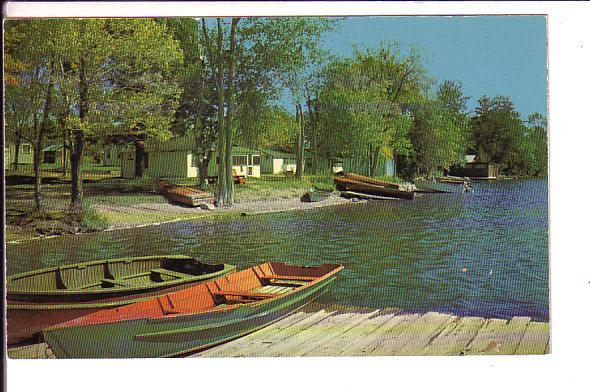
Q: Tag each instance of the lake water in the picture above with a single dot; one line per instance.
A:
(483, 254)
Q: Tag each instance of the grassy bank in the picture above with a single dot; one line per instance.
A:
(117, 203)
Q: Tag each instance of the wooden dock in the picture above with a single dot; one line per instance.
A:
(332, 330)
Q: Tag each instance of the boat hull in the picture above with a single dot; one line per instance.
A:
(345, 184)
(175, 336)
(31, 309)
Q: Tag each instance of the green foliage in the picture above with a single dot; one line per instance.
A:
(499, 135)
(91, 220)
(366, 101)
(439, 133)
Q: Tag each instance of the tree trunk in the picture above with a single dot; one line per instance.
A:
(78, 142)
(76, 166)
(225, 189)
(373, 162)
(204, 171)
(139, 159)
(222, 192)
(16, 152)
(300, 153)
(37, 169)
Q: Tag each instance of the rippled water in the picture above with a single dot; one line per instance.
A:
(480, 254)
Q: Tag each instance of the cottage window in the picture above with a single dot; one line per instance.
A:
(25, 148)
(256, 159)
(240, 160)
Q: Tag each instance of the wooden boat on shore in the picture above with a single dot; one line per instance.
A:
(369, 180)
(183, 195)
(443, 185)
(195, 318)
(345, 184)
(41, 298)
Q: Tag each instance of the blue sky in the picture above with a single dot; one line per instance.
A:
(490, 55)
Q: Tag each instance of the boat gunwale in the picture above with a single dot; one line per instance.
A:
(227, 268)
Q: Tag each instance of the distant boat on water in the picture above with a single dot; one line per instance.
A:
(444, 184)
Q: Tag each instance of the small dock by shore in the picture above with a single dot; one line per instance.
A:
(333, 330)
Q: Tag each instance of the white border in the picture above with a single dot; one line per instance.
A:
(565, 369)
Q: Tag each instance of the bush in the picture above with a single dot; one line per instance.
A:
(91, 220)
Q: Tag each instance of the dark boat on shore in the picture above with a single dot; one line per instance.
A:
(41, 298)
(344, 183)
(183, 195)
(369, 180)
(195, 318)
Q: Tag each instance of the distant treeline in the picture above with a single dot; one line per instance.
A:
(87, 82)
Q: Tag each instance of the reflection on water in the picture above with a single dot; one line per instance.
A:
(479, 254)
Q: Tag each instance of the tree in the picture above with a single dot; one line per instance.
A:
(113, 81)
(439, 133)
(496, 131)
(367, 100)
(251, 57)
(29, 90)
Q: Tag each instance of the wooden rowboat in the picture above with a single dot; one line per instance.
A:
(369, 180)
(41, 298)
(195, 318)
(346, 184)
(183, 195)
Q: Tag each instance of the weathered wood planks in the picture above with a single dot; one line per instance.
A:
(332, 330)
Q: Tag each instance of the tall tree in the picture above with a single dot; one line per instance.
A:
(496, 131)
(114, 82)
(250, 55)
(29, 90)
(439, 133)
(368, 101)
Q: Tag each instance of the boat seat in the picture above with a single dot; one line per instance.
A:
(156, 274)
(107, 283)
(247, 294)
(289, 277)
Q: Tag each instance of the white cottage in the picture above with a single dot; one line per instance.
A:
(176, 158)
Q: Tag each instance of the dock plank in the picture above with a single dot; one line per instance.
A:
(452, 341)
(486, 339)
(420, 334)
(373, 339)
(334, 342)
(311, 337)
(534, 340)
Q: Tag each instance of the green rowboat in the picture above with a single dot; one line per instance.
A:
(195, 318)
(41, 298)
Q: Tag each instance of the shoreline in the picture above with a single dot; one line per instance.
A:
(137, 213)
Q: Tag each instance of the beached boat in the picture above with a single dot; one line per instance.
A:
(369, 180)
(443, 185)
(349, 185)
(316, 194)
(41, 298)
(183, 195)
(195, 318)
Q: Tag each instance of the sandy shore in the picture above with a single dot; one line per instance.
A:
(124, 216)
(164, 209)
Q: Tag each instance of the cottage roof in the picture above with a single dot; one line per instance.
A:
(53, 147)
(276, 153)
